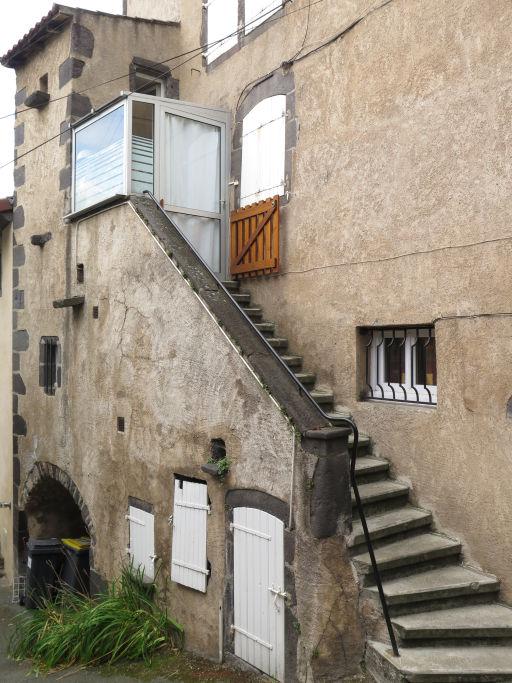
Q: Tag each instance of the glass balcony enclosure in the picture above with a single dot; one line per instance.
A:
(174, 149)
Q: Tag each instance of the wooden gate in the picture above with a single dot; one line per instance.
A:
(255, 239)
(259, 598)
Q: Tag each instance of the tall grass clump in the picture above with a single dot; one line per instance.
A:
(122, 623)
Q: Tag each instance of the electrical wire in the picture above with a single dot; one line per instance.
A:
(244, 93)
(198, 49)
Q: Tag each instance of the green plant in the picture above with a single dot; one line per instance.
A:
(123, 623)
(223, 465)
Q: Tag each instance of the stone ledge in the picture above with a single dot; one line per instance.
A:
(71, 302)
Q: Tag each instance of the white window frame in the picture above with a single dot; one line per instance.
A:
(221, 23)
(264, 140)
(151, 80)
(126, 150)
(408, 391)
(266, 8)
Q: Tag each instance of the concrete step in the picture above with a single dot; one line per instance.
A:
(364, 443)
(338, 416)
(291, 360)
(376, 491)
(426, 547)
(308, 379)
(462, 664)
(266, 327)
(254, 312)
(278, 342)
(322, 397)
(367, 464)
(470, 621)
(393, 522)
(443, 583)
(232, 285)
(241, 297)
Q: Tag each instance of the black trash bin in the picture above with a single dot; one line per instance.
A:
(75, 572)
(44, 565)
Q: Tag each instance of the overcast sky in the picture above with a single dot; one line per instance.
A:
(18, 18)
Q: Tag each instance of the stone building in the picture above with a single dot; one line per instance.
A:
(251, 224)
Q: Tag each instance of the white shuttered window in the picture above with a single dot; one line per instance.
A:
(263, 150)
(258, 11)
(189, 562)
(142, 540)
(222, 22)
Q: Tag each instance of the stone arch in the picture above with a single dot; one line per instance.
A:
(42, 471)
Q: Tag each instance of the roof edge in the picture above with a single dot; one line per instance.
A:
(57, 19)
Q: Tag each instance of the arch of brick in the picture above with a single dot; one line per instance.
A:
(43, 470)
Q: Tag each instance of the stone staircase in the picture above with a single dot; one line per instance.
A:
(448, 618)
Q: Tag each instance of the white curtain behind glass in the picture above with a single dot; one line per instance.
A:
(193, 164)
(193, 173)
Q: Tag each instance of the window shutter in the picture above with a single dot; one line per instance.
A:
(142, 540)
(258, 11)
(189, 563)
(263, 150)
(222, 21)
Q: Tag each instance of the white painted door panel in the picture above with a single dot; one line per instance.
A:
(259, 590)
(142, 540)
(189, 564)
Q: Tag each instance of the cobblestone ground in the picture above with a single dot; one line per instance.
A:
(181, 668)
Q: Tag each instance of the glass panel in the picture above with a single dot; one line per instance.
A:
(142, 146)
(193, 164)
(426, 370)
(394, 367)
(99, 160)
(204, 234)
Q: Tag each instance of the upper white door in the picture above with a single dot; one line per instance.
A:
(194, 178)
(259, 597)
(142, 541)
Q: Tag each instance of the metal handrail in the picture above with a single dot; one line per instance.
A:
(346, 420)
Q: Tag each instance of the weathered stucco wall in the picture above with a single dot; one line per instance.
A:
(166, 10)
(399, 213)
(6, 473)
(144, 359)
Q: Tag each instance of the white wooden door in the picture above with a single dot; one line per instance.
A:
(189, 564)
(142, 540)
(259, 597)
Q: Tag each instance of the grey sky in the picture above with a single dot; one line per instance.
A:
(17, 19)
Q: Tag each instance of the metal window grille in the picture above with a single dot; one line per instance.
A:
(401, 365)
(49, 362)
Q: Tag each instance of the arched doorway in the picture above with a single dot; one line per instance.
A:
(54, 509)
(51, 512)
(53, 505)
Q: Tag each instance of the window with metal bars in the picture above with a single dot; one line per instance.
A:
(400, 364)
(49, 364)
